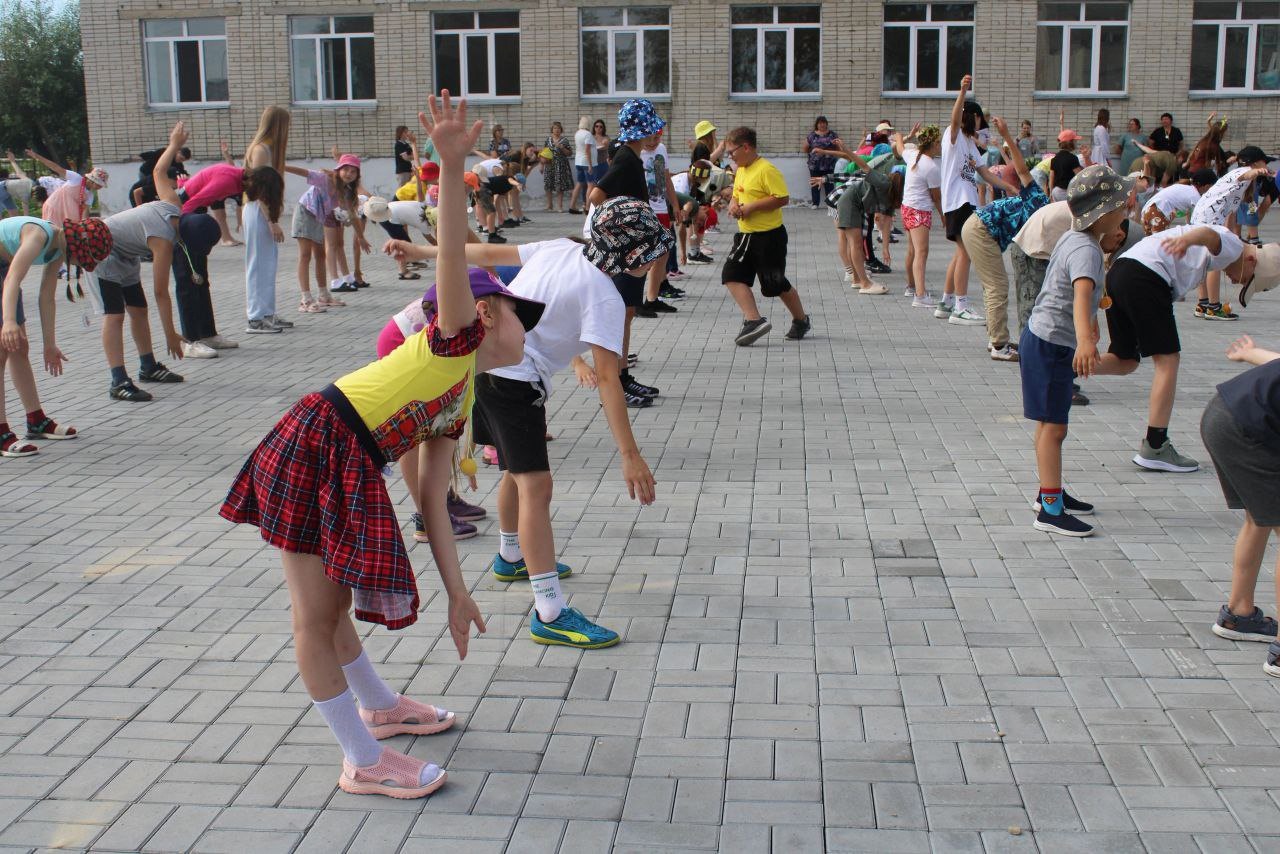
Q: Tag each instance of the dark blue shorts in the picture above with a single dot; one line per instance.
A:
(1046, 378)
(581, 174)
(1243, 217)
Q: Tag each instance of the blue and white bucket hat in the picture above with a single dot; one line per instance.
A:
(638, 119)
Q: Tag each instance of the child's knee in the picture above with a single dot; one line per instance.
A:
(535, 487)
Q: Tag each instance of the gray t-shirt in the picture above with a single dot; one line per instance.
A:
(130, 230)
(1076, 256)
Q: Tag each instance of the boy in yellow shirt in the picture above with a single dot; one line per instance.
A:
(760, 246)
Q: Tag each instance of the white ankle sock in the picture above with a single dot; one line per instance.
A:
(546, 595)
(948, 299)
(962, 303)
(371, 692)
(509, 547)
(343, 718)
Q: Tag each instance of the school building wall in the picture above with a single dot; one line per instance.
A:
(121, 123)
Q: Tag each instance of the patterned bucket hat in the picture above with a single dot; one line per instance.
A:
(637, 119)
(626, 234)
(88, 242)
(1093, 193)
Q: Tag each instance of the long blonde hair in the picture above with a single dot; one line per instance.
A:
(273, 132)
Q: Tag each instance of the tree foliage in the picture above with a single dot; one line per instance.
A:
(42, 101)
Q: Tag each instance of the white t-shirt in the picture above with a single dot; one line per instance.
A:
(657, 182)
(583, 308)
(1220, 200)
(921, 176)
(1186, 272)
(959, 171)
(1176, 198)
(489, 168)
(583, 142)
(681, 183)
(1101, 152)
(410, 215)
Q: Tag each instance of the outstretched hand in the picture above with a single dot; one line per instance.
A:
(1240, 349)
(448, 128)
(178, 136)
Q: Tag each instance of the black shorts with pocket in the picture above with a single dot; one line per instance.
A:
(762, 254)
(955, 220)
(631, 289)
(511, 415)
(116, 296)
(1140, 320)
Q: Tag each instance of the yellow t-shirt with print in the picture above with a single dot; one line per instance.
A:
(760, 180)
(409, 192)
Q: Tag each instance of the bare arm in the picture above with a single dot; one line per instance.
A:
(1199, 236)
(1015, 153)
(53, 357)
(1244, 350)
(434, 485)
(165, 189)
(161, 259)
(957, 109)
(935, 193)
(32, 241)
(297, 170)
(1086, 358)
(60, 171)
(996, 181)
(13, 165)
(453, 137)
(596, 196)
(635, 471)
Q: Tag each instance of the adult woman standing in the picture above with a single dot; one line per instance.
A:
(499, 145)
(404, 156)
(1130, 152)
(1029, 144)
(557, 173)
(600, 132)
(262, 232)
(1100, 154)
(822, 146)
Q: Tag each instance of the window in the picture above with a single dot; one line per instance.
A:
(776, 50)
(1235, 48)
(186, 61)
(626, 52)
(332, 59)
(928, 47)
(478, 53)
(1082, 48)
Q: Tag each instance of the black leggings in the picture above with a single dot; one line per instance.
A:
(195, 304)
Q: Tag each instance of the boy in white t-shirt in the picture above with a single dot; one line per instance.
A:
(584, 149)
(1175, 200)
(1218, 207)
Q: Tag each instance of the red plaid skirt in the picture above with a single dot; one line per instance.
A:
(310, 487)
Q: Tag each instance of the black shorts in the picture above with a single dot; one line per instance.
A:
(955, 220)
(396, 230)
(759, 253)
(1140, 320)
(116, 296)
(511, 415)
(631, 288)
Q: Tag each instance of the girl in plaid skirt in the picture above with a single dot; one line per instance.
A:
(314, 488)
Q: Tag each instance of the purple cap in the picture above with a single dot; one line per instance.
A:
(484, 283)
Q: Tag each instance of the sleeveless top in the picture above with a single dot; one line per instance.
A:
(11, 236)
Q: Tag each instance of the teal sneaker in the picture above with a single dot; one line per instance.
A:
(505, 570)
(571, 629)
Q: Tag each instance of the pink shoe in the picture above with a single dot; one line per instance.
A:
(396, 776)
(490, 455)
(407, 716)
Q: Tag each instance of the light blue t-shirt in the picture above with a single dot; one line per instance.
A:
(1077, 255)
(11, 236)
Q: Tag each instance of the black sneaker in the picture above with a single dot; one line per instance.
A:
(525, 219)
(645, 310)
(636, 401)
(361, 283)
(799, 328)
(130, 392)
(496, 238)
(510, 223)
(1063, 523)
(632, 360)
(700, 258)
(630, 386)
(668, 291)
(1069, 503)
(344, 288)
(660, 307)
(751, 331)
(159, 374)
(879, 268)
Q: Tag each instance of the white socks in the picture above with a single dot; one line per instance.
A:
(949, 299)
(962, 303)
(343, 718)
(509, 547)
(372, 693)
(546, 595)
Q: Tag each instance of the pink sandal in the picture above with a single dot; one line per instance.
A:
(395, 775)
(406, 717)
(327, 300)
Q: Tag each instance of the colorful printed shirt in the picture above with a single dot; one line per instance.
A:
(321, 197)
(1004, 218)
(422, 390)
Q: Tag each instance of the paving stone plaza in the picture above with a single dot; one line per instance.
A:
(840, 631)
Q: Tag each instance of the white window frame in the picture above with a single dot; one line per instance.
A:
(928, 24)
(760, 30)
(317, 38)
(1095, 28)
(1251, 58)
(612, 31)
(204, 101)
(478, 97)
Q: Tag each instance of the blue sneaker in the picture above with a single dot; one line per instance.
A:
(505, 570)
(571, 629)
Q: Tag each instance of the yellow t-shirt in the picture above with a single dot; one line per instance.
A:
(413, 395)
(409, 192)
(759, 181)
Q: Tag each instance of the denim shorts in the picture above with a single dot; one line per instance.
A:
(581, 172)
(1243, 217)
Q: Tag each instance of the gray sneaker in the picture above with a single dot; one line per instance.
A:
(1164, 459)
(278, 322)
(262, 326)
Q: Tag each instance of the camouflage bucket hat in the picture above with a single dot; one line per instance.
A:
(1093, 193)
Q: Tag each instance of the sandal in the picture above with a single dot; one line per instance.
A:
(310, 306)
(11, 447)
(407, 716)
(395, 775)
(49, 429)
(326, 300)
(404, 277)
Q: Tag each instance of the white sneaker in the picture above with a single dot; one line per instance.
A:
(942, 311)
(197, 350)
(848, 276)
(874, 289)
(909, 293)
(925, 301)
(1007, 353)
(966, 317)
(217, 342)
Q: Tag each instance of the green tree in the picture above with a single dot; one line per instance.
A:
(42, 102)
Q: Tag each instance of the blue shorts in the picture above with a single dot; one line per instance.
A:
(581, 172)
(1243, 217)
(1046, 378)
(598, 171)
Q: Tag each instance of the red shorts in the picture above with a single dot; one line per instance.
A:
(665, 219)
(710, 221)
(914, 218)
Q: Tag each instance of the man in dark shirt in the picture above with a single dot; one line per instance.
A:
(1167, 137)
